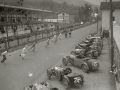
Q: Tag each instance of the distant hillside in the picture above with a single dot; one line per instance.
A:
(35, 3)
(80, 8)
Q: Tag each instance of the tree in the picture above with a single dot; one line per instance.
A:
(87, 11)
(81, 13)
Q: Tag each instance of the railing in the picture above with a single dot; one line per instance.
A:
(117, 60)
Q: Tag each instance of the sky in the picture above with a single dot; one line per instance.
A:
(97, 2)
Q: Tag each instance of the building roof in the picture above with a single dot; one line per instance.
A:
(105, 5)
(70, 13)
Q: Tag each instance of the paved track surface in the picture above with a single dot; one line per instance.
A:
(15, 72)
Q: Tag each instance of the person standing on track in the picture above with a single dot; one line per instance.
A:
(66, 33)
(33, 45)
(48, 41)
(70, 32)
(24, 51)
(54, 39)
(59, 37)
(4, 56)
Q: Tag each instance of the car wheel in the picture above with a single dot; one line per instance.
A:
(72, 52)
(82, 54)
(89, 55)
(59, 75)
(72, 62)
(84, 68)
(64, 61)
(65, 83)
(96, 54)
(82, 78)
(48, 73)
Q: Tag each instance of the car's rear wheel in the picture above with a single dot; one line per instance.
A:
(82, 78)
(65, 83)
(64, 61)
(72, 62)
(84, 68)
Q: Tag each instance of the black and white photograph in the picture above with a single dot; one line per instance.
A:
(59, 45)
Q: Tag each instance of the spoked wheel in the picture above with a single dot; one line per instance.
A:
(65, 83)
(72, 61)
(82, 79)
(82, 53)
(84, 68)
(96, 54)
(64, 61)
(59, 75)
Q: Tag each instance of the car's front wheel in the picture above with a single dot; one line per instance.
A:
(64, 61)
(58, 75)
(66, 83)
(84, 68)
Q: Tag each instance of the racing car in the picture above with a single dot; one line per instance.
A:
(66, 76)
(58, 72)
(86, 64)
(41, 86)
(93, 45)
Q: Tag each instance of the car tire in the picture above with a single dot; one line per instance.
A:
(84, 68)
(49, 74)
(82, 78)
(82, 55)
(66, 84)
(64, 61)
(72, 62)
(59, 75)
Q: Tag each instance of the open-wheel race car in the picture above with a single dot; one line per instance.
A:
(86, 64)
(73, 79)
(65, 75)
(41, 86)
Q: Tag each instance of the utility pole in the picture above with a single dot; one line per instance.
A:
(111, 28)
(97, 25)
